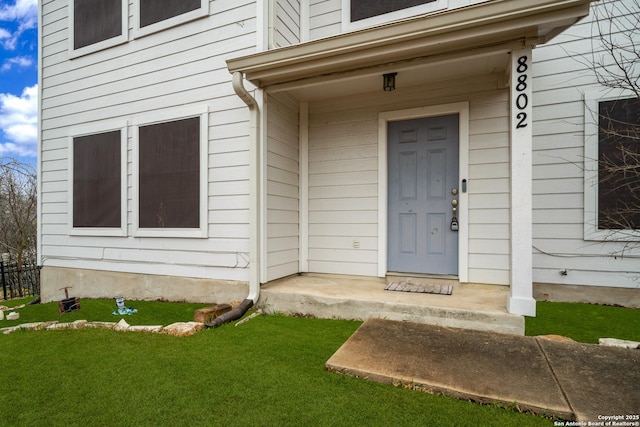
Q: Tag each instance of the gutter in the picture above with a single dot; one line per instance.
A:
(254, 207)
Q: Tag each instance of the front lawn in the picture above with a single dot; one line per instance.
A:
(584, 322)
(266, 372)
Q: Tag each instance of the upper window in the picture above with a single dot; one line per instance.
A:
(612, 169)
(365, 13)
(157, 15)
(98, 182)
(97, 24)
(171, 177)
(153, 11)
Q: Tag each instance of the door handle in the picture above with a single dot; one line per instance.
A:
(454, 217)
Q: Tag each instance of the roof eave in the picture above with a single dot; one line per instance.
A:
(485, 24)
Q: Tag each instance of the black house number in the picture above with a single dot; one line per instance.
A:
(522, 100)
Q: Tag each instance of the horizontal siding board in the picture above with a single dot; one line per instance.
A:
(486, 275)
(341, 217)
(346, 191)
(337, 267)
(354, 230)
(219, 273)
(343, 242)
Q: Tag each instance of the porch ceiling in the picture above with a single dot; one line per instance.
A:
(476, 31)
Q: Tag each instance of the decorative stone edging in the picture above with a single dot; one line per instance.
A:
(178, 329)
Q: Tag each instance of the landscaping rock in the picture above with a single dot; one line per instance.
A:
(614, 342)
(145, 328)
(59, 326)
(13, 316)
(100, 325)
(10, 330)
(183, 329)
(121, 326)
(207, 314)
(79, 324)
(76, 324)
(35, 326)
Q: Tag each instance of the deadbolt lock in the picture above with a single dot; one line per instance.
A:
(454, 191)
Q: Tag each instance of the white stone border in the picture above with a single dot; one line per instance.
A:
(178, 329)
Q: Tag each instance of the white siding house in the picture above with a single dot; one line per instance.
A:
(201, 153)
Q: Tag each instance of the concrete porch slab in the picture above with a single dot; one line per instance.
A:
(470, 306)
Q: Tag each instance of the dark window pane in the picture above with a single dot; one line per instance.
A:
(95, 21)
(619, 164)
(96, 180)
(152, 11)
(170, 174)
(363, 9)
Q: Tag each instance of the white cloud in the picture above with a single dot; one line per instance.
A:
(22, 12)
(19, 122)
(18, 61)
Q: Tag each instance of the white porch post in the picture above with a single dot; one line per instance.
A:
(521, 296)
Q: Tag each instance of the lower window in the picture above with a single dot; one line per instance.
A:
(612, 168)
(170, 167)
(170, 174)
(97, 180)
(619, 164)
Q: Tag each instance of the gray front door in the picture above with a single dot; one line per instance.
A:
(423, 177)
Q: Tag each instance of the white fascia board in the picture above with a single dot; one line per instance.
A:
(466, 28)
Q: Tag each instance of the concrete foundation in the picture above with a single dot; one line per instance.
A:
(625, 297)
(109, 284)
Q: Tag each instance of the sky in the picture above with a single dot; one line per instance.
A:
(18, 79)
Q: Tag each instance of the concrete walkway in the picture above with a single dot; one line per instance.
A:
(569, 380)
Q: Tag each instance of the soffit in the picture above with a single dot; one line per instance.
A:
(482, 26)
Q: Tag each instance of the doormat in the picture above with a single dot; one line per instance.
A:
(423, 288)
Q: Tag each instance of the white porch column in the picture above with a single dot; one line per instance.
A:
(521, 296)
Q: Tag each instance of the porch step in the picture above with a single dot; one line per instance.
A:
(477, 307)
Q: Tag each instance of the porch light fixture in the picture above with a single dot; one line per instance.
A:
(389, 81)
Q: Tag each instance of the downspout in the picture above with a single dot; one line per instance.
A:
(254, 207)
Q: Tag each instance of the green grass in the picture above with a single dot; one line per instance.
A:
(266, 372)
(584, 322)
(149, 312)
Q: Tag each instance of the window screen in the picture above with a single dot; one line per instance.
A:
(95, 21)
(169, 191)
(96, 180)
(619, 164)
(152, 11)
(363, 9)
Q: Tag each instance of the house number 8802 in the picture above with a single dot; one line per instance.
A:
(522, 100)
